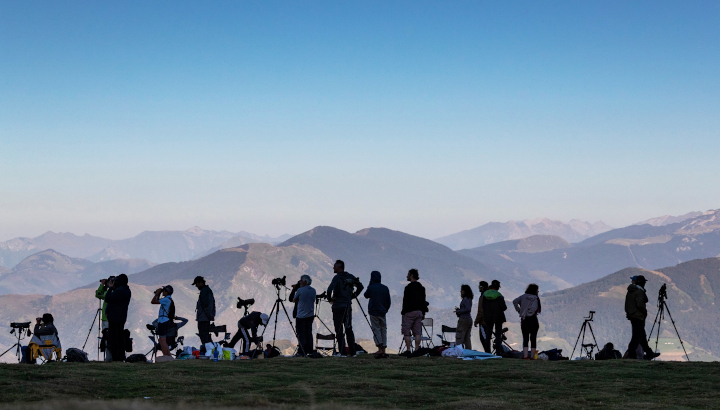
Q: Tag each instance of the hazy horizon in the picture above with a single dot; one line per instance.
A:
(425, 117)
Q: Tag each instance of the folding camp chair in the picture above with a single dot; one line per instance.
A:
(425, 339)
(443, 339)
(325, 349)
(44, 347)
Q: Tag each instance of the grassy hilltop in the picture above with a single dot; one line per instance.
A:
(363, 382)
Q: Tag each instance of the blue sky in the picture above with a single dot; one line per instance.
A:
(427, 117)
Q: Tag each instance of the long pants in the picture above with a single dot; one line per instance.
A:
(639, 337)
(529, 328)
(304, 334)
(116, 339)
(242, 333)
(204, 333)
(342, 318)
(379, 329)
(463, 332)
(495, 329)
(484, 334)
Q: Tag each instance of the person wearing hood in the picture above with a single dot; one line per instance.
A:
(343, 288)
(494, 308)
(378, 306)
(465, 321)
(480, 321)
(118, 299)
(528, 307)
(636, 312)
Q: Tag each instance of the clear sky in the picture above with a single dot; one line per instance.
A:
(427, 117)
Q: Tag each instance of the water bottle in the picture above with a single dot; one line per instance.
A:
(215, 354)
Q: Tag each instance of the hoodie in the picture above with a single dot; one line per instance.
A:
(379, 296)
(527, 305)
(494, 306)
(341, 292)
(635, 301)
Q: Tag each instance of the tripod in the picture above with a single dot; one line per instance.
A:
(276, 310)
(662, 308)
(587, 348)
(98, 315)
(19, 335)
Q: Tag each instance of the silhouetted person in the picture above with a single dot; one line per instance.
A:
(118, 299)
(247, 330)
(528, 307)
(480, 320)
(340, 293)
(413, 311)
(378, 306)
(204, 311)
(305, 304)
(636, 312)
(494, 308)
(465, 321)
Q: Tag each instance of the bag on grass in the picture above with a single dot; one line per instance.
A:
(74, 354)
(136, 358)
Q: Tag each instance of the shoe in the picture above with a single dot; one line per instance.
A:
(338, 355)
(650, 356)
(526, 358)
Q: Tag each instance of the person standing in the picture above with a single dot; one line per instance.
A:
(378, 306)
(528, 307)
(204, 311)
(305, 304)
(465, 321)
(413, 311)
(100, 294)
(494, 308)
(118, 299)
(166, 316)
(343, 288)
(480, 321)
(636, 312)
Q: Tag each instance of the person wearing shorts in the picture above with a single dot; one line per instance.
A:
(164, 319)
(413, 311)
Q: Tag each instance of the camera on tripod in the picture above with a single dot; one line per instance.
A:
(244, 303)
(279, 281)
(351, 282)
(321, 296)
(20, 325)
(662, 293)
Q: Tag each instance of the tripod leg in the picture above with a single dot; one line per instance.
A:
(676, 331)
(582, 332)
(593, 335)
(368, 321)
(293, 328)
(659, 317)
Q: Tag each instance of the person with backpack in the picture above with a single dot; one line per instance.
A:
(636, 313)
(118, 299)
(247, 326)
(166, 316)
(494, 308)
(528, 307)
(414, 308)
(378, 306)
(343, 288)
(204, 311)
(465, 321)
(480, 321)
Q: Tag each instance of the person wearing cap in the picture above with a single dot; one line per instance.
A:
(204, 311)
(305, 302)
(248, 324)
(636, 312)
(166, 315)
(494, 308)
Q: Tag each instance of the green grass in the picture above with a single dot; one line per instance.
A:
(431, 383)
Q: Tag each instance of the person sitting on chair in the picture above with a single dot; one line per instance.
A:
(247, 324)
(44, 330)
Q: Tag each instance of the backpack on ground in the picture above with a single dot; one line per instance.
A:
(136, 358)
(74, 354)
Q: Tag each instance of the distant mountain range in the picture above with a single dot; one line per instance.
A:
(669, 219)
(155, 246)
(573, 231)
(49, 272)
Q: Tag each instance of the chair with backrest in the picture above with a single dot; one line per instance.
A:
(425, 339)
(325, 348)
(44, 347)
(443, 338)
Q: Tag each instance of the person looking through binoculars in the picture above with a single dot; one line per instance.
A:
(304, 298)
(100, 294)
(248, 324)
(343, 288)
(118, 298)
(165, 316)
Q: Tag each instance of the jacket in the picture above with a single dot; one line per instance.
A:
(341, 288)
(635, 301)
(479, 320)
(527, 305)
(251, 323)
(414, 298)
(45, 330)
(205, 307)
(118, 300)
(100, 294)
(379, 296)
(494, 306)
(465, 309)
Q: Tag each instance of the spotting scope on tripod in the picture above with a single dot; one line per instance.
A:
(660, 316)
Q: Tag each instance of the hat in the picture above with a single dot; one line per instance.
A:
(264, 318)
(198, 279)
(639, 278)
